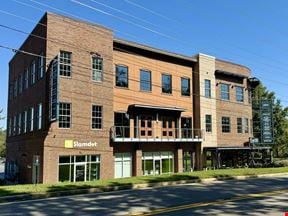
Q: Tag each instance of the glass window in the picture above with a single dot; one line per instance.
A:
(96, 117)
(186, 127)
(239, 125)
(40, 68)
(246, 129)
(64, 115)
(208, 123)
(122, 76)
(155, 163)
(123, 165)
(225, 91)
(31, 122)
(65, 63)
(25, 121)
(32, 73)
(14, 125)
(19, 124)
(239, 94)
(97, 68)
(166, 83)
(39, 117)
(185, 86)
(145, 80)
(85, 168)
(207, 88)
(26, 78)
(226, 125)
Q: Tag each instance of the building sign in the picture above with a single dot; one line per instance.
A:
(54, 81)
(77, 144)
(266, 122)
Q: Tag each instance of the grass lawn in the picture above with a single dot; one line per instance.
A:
(129, 182)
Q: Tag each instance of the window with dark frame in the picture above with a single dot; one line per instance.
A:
(185, 86)
(65, 63)
(166, 83)
(26, 78)
(31, 120)
(32, 73)
(246, 129)
(208, 123)
(239, 94)
(40, 65)
(239, 125)
(64, 115)
(207, 88)
(97, 68)
(96, 117)
(145, 80)
(226, 128)
(20, 83)
(225, 95)
(39, 116)
(122, 76)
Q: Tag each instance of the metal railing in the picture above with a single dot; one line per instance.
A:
(169, 134)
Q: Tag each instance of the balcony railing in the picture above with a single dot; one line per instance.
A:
(135, 134)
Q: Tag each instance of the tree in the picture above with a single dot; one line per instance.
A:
(280, 119)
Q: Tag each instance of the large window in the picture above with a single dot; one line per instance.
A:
(32, 73)
(39, 116)
(19, 123)
(166, 83)
(31, 120)
(96, 117)
(40, 65)
(185, 86)
(64, 115)
(246, 126)
(122, 76)
(26, 78)
(145, 80)
(123, 165)
(77, 168)
(65, 63)
(208, 123)
(25, 119)
(239, 125)
(226, 125)
(239, 94)
(186, 127)
(14, 125)
(97, 68)
(156, 163)
(121, 122)
(225, 95)
(207, 88)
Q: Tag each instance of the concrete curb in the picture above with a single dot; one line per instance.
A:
(7, 199)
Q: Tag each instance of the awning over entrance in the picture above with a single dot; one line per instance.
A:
(152, 107)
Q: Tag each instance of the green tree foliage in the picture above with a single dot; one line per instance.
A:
(280, 119)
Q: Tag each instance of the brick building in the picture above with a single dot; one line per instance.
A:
(84, 105)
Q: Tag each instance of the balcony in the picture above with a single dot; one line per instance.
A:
(135, 134)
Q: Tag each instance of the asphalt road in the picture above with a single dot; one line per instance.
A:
(262, 196)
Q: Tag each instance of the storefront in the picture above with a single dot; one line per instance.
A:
(76, 168)
(156, 163)
(123, 165)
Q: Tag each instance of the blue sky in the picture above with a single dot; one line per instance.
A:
(252, 33)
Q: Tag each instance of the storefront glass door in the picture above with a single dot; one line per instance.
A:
(79, 172)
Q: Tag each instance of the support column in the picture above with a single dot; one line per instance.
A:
(199, 156)
(179, 160)
(137, 165)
